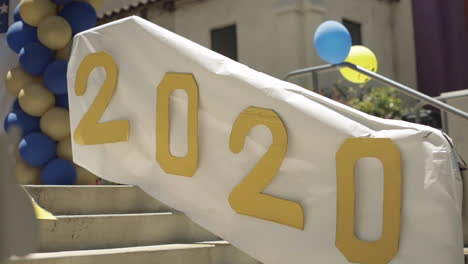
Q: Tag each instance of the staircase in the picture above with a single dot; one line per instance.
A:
(121, 224)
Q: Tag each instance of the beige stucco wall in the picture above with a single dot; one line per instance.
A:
(404, 52)
(457, 126)
(276, 36)
(258, 30)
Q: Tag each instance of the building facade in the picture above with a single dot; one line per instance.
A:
(276, 36)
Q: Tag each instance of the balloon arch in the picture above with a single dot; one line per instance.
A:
(41, 35)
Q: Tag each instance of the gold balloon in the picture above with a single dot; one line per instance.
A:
(26, 174)
(55, 123)
(64, 53)
(54, 32)
(85, 177)
(34, 11)
(361, 56)
(35, 99)
(64, 149)
(97, 4)
(16, 78)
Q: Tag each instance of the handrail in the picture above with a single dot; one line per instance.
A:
(464, 93)
(402, 88)
(443, 98)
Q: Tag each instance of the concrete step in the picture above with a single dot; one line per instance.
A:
(82, 232)
(201, 253)
(94, 199)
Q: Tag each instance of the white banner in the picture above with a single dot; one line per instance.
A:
(289, 194)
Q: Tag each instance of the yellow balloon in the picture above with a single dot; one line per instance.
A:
(64, 149)
(34, 11)
(55, 123)
(26, 174)
(16, 78)
(85, 177)
(64, 53)
(35, 99)
(361, 56)
(95, 3)
(54, 32)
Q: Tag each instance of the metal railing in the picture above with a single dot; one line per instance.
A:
(424, 99)
(443, 98)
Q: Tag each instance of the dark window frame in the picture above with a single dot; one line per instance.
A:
(355, 29)
(224, 40)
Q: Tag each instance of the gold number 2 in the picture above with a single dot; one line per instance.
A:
(246, 198)
(182, 166)
(354, 249)
(89, 131)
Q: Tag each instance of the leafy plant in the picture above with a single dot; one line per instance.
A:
(383, 102)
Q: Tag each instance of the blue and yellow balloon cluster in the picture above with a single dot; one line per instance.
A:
(41, 35)
(333, 44)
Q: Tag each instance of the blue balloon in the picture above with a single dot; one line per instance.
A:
(80, 15)
(20, 34)
(55, 77)
(36, 149)
(34, 58)
(62, 100)
(16, 105)
(21, 120)
(332, 42)
(16, 14)
(62, 2)
(59, 172)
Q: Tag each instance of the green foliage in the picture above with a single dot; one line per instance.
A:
(383, 102)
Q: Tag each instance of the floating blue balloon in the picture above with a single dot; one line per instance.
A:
(80, 15)
(62, 100)
(36, 149)
(62, 2)
(59, 172)
(34, 58)
(55, 77)
(19, 34)
(16, 14)
(21, 120)
(332, 42)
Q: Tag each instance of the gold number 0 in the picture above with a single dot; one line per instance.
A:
(246, 198)
(355, 250)
(89, 131)
(182, 166)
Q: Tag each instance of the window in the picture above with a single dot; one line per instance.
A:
(144, 13)
(355, 31)
(224, 41)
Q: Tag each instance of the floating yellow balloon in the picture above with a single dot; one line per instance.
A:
(54, 32)
(35, 99)
(85, 177)
(26, 174)
(34, 11)
(361, 56)
(55, 123)
(17, 78)
(97, 4)
(64, 149)
(64, 53)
